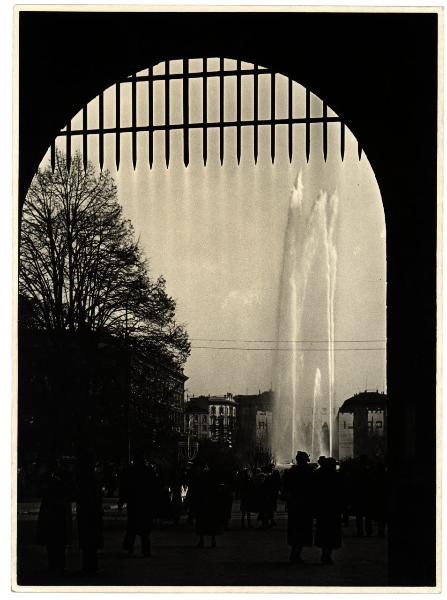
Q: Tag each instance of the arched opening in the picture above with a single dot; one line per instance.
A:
(254, 201)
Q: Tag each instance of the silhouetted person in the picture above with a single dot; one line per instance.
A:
(192, 496)
(54, 525)
(256, 497)
(276, 486)
(298, 493)
(266, 498)
(347, 483)
(163, 498)
(361, 490)
(379, 497)
(139, 491)
(210, 506)
(89, 513)
(245, 488)
(228, 489)
(176, 484)
(328, 502)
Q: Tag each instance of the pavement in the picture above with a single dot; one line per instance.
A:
(252, 557)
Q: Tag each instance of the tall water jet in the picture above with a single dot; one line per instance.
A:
(331, 272)
(309, 269)
(316, 431)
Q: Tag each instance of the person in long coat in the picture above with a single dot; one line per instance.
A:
(379, 496)
(267, 498)
(193, 476)
(328, 504)
(210, 506)
(176, 481)
(256, 491)
(276, 485)
(228, 489)
(298, 493)
(89, 512)
(244, 486)
(139, 493)
(362, 494)
(54, 524)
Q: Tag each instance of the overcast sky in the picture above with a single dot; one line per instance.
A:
(217, 233)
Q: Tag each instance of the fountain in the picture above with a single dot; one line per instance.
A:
(304, 377)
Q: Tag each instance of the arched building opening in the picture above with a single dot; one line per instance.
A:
(254, 200)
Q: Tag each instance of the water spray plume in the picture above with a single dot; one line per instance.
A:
(316, 438)
(310, 258)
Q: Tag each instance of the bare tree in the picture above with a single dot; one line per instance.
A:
(81, 268)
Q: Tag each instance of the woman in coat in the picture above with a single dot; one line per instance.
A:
(244, 484)
(267, 498)
(298, 493)
(210, 506)
(54, 524)
(139, 491)
(328, 509)
(89, 514)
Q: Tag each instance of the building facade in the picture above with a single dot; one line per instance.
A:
(264, 424)
(211, 417)
(243, 422)
(222, 415)
(117, 401)
(362, 426)
(157, 392)
(197, 419)
(254, 425)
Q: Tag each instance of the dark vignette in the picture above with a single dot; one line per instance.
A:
(379, 73)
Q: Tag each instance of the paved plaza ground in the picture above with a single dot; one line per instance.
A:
(242, 558)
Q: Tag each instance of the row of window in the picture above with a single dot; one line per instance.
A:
(196, 418)
(204, 419)
(371, 425)
(224, 410)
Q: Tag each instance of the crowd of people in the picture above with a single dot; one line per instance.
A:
(318, 499)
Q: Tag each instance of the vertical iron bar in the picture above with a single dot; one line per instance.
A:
(255, 112)
(221, 113)
(117, 124)
(150, 104)
(101, 130)
(186, 112)
(68, 146)
(272, 116)
(205, 111)
(84, 138)
(342, 140)
(290, 120)
(307, 124)
(53, 155)
(167, 139)
(134, 122)
(238, 112)
(324, 131)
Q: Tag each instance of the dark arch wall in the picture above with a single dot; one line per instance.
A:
(379, 73)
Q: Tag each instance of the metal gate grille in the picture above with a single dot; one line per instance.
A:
(186, 126)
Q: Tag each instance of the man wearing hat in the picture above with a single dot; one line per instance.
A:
(298, 493)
